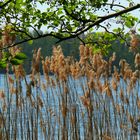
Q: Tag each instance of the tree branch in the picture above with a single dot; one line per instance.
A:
(5, 4)
(29, 39)
(102, 19)
(115, 5)
(91, 25)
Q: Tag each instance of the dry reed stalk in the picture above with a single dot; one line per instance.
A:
(99, 86)
(106, 137)
(85, 101)
(19, 71)
(134, 43)
(2, 95)
(45, 69)
(138, 102)
(43, 86)
(133, 80)
(75, 70)
(66, 90)
(118, 108)
(7, 38)
(91, 84)
(62, 75)
(122, 95)
(116, 75)
(4, 106)
(92, 75)
(86, 52)
(109, 92)
(36, 62)
(64, 110)
(13, 90)
(90, 52)
(11, 80)
(122, 63)
(114, 84)
(53, 83)
(128, 74)
(81, 49)
(137, 60)
(40, 102)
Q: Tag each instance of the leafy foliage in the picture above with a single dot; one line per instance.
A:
(13, 60)
(66, 19)
(20, 56)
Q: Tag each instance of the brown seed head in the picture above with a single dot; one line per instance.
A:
(137, 60)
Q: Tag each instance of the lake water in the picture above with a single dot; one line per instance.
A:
(26, 118)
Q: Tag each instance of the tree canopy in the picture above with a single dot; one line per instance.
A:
(66, 19)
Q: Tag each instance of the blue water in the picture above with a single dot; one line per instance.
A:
(51, 97)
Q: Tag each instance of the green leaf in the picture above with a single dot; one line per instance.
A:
(56, 22)
(129, 23)
(15, 61)
(69, 27)
(30, 42)
(6, 55)
(3, 64)
(20, 56)
(59, 12)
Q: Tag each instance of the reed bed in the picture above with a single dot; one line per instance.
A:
(89, 99)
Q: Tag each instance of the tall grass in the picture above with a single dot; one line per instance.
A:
(89, 99)
(85, 99)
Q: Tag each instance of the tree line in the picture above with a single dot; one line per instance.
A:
(71, 48)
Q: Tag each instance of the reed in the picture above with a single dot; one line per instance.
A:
(79, 100)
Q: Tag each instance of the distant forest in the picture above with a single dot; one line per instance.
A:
(71, 48)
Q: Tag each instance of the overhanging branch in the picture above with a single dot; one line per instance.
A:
(102, 19)
(29, 39)
(91, 25)
(5, 4)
